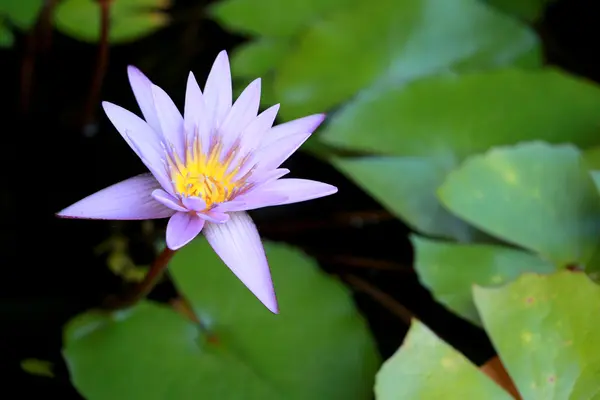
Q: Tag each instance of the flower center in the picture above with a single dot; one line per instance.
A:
(208, 175)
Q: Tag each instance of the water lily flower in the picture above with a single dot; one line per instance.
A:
(207, 168)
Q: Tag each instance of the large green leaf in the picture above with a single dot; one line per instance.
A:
(273, 18)
(318, 347)
(529, 10)
(257, 58)
(533, 194)
(427, 368)
(21, 13)
(547, 332)
(388, 41)
(129, 19)
(470, 113)
(407, 186)
(450, 270)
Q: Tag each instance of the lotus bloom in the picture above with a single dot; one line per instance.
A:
(207, 168)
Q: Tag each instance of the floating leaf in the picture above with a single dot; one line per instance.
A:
(427, 368)
(21, 13)
(318, 347)
(406, 186)
(273, 17)
(390, 41)
(34, 366)
(547, 332)
(257, 58)
(534, 195)
(449, 270)
(529, 10)
(129, 19)
(470, 113)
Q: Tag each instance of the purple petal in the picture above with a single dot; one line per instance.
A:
(273, 156)
(301, 125)
(171, 121)
(241, 114)
(215, 216)
(182, 228)
(233, 205)
(194, 113)
(268, 176)
(260, 199)
(141, 138)
(142, 90)
(256, 130)
(238, 244)
(168, 200)
(194, 203)
(286, 191)
(218, 92)
(127, 200)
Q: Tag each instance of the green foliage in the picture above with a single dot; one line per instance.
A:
(442, 372)
(544, 328)
(129, 19)
(530, 10)
(318, 347)
(449, 270)
(37, 367)
(533, 195)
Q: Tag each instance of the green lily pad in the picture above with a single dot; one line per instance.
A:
(449, 270)
(318, 347)
(258, 57)
(21, 13)
(470, 113)
(129, 19)
(535, 195)
(427, 368)
(547, 332)
(274, 18)
(389, 42)
(529, 10)
(406, 186)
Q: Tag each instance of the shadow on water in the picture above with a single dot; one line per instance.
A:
(50, 270)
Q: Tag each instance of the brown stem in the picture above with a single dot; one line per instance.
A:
(42, 31)
(101, 64)
(364, 262)
(382, 298)
(142, 289)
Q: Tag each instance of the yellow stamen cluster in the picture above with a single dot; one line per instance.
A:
(205, 174)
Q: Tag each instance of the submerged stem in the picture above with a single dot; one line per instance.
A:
(142, 289)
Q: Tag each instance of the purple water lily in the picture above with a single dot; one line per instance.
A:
(207, 169)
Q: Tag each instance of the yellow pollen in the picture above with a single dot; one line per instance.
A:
(208, 176)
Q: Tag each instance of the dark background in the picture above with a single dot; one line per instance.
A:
(50, 158)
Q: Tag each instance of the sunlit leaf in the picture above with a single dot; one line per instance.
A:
(547, 331)
(317, 347)
(427, 368)
(535, 195)
(406, 186)
(469, 113)
(274, 18)
(449, 270)
(129, 19)
(390, 42)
